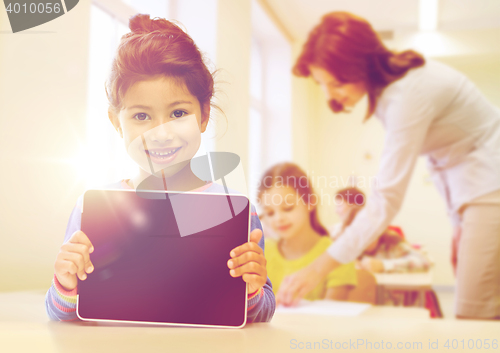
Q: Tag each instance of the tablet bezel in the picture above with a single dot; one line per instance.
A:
(172, 323)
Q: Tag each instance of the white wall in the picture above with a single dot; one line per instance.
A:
(234, 28)
(43, 89)
(304, 108)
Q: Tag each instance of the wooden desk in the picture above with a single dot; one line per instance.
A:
(420, 282)
(25, 328)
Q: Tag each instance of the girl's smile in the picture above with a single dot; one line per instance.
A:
(163, 154)
(161, 123)
(287, 215)
(284, 228)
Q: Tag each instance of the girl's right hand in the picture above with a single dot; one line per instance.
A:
(73, 260)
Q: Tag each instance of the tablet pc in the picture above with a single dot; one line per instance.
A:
(161, 258)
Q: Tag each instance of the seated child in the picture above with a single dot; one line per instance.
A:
(159, 93)
(390, 252)
(289, 208)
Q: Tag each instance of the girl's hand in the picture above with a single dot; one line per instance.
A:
(249, 262)
(296, 286)
(73, 260)
(372, 265)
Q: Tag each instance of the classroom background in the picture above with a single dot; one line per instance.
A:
(56, 139)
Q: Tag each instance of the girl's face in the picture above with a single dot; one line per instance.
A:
(161, 124)
(344, 210)
(284, 211)
(347, 94)
(372, 246)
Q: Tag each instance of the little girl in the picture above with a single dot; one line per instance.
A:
(159, 94)
(290, 209)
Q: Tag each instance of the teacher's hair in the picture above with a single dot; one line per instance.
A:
(291, 175)
(348, 47)
(157, 47)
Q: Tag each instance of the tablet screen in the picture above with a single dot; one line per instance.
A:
(161, 257)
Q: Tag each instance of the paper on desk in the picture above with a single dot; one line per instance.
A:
(325, 307)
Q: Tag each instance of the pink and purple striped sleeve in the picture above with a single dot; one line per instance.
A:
(261, 305)
(60, 303)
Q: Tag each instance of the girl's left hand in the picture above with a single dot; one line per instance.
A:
(249, 262)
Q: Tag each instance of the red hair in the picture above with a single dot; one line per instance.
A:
(291, 175)
(347, 46)
(158, 47)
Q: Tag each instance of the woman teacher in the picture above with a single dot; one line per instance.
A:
(427, 109)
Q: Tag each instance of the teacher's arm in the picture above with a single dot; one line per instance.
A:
(407, 119)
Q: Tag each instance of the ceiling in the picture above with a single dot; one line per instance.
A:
(298, 17)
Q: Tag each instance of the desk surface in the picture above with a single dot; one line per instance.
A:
(24, 328)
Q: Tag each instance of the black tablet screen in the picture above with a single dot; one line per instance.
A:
(162, 257)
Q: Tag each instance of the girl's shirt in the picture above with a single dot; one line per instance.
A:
(60, 304)
(279, 267)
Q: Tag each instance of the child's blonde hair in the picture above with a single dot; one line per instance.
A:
(291, 175)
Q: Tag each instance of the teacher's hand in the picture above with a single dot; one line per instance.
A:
(296, 286)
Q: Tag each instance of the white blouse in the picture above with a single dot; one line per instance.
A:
(434, 111)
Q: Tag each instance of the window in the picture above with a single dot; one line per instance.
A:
(105, 157)
(270, 130)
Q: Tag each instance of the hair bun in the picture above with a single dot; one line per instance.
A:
(142, 23)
